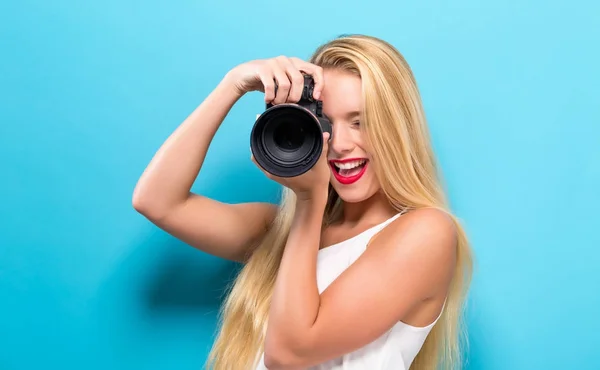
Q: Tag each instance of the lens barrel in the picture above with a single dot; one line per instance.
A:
(287, 139)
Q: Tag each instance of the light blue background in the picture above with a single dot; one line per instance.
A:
(89, 91)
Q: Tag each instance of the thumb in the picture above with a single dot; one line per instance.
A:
(326, 137)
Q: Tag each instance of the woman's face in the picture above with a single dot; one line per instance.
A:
(352, 176)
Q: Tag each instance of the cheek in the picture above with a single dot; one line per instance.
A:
(372, 175)
(361, 143)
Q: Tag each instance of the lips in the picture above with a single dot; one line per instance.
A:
(346, 170)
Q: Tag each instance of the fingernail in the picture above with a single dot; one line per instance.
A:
(317, 94)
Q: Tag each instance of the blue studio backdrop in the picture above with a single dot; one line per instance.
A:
(90, 90)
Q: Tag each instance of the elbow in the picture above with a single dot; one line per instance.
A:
(139, 202)
(275, 361)
(280, 358)
(271, 362)
(144, 205)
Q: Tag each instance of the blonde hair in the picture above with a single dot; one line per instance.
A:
(396, 132)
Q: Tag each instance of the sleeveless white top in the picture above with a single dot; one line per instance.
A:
(396, 348)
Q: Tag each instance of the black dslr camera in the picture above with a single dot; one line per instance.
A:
(287, 139)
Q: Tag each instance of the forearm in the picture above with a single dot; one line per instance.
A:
(295, 301)
(172, 171)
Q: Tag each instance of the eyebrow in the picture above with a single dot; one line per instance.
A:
(348, 116)
(353, 114)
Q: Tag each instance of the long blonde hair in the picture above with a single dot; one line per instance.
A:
(396, 131)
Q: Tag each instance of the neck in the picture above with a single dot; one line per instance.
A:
(373, 210)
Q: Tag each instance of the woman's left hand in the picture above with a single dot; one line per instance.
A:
(311, 185)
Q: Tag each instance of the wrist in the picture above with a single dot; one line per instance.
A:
(309, 211)
(231, 82)
(312, 199)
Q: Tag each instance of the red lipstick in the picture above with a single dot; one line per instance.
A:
(347, 180)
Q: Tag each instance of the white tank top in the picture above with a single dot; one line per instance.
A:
(396, 348)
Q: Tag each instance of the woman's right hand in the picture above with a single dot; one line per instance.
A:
(261, 75)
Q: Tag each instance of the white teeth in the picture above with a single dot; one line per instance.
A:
(349, 165)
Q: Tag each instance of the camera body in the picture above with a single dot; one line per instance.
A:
(287, 139)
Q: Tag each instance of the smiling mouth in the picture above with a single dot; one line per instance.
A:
(348, 171)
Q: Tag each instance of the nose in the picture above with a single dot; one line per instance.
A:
(341, 141)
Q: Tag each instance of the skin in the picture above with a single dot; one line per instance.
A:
(413, 257)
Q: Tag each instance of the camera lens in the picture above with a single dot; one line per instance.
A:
(288, 136)
(286, 140)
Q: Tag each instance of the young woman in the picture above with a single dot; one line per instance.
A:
(362, 265)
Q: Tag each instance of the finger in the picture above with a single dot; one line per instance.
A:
(315, 71)
(295, 77)
(259, 167)
(326, 138)
(266, 77)
(283, 82)
(325, 150)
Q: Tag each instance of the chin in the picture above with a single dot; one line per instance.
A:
(356, 194)
(352, 200)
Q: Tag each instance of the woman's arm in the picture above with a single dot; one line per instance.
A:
(410, 261)
(295, 302)
(163, 194)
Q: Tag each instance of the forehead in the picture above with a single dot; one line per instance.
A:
(342, 93)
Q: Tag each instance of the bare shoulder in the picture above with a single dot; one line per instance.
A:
(429, 224)
(426, 237)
